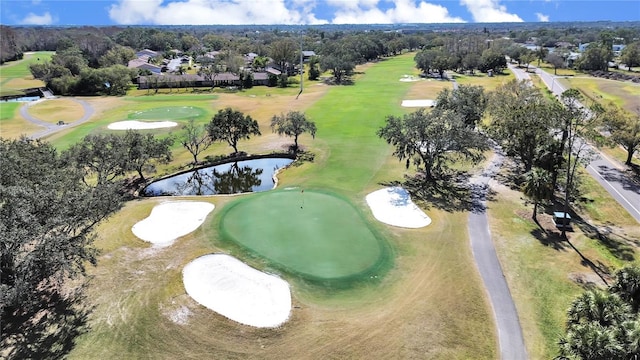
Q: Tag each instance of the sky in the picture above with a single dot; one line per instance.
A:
(308, 12)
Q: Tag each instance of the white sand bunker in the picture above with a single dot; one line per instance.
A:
(141, 125)
(409, 78)
(419, 103)
(171, 220)
(241, 293)
(393, 206)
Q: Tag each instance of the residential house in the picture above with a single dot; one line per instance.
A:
(147, 53)
(143, 64)
(306, 55)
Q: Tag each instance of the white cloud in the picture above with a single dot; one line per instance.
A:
(33, 19)
(489, 11)
(205, 12)
(542, 17)
(404, 11)
(353, 4)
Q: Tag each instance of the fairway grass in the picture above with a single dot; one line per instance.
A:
(15, 75)
(430, 304)
(622, 93)
(312, 234)
(168, 113)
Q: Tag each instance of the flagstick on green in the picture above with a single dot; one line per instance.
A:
(302, 194)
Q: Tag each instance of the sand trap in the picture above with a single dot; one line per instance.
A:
(393, 206)
(171, 220)
(236, 291)
(141, 125)
(419, 103)
(409, 78)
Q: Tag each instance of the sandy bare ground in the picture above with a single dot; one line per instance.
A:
(171, 220)
(393, 206)
(410, 78)
(237, 291)
(419, 103)
(141, 125)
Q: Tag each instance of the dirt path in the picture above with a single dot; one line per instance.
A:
(53, 128)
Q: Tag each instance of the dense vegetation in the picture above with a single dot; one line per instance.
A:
(605, 324)
(89, 60)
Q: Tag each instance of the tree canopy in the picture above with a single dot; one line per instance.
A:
(428, 138)
(293, 124)
(623, 127)
(605, 324)
(467, 100)
(231, 126)
(195, 139)
(524, 123)
(48, 217)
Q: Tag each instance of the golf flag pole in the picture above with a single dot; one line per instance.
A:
(302, 195)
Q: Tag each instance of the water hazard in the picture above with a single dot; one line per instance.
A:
(230, 178)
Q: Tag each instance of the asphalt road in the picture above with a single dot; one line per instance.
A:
(605, 171)
(53, 128)
(510, 339)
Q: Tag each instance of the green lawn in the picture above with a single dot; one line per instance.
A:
(15, 75)
(308, 233)
(198, 107)
(20, 68)
(168, 113)
(8, 110)
(429, 304)
(603, 91)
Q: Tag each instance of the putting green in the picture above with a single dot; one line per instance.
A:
(316, 235)
(168, 113)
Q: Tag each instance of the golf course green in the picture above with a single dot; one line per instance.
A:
(168, 113)
(316, 235)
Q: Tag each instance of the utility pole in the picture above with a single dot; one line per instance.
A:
(301, 68)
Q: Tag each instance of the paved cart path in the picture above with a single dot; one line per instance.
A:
(50, 128)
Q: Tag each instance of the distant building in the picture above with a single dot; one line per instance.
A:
(306, 55)
(143, 64)
(188, 80)
(147, 53)
(616, 48)
(564, 44)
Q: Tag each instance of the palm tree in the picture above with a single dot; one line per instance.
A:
(538, 188)
(599, 307)
(627, 286)
(590, 342)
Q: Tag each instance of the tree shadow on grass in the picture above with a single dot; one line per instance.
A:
(47, 331)
(451, 193)
(554, 239)
(619, 246)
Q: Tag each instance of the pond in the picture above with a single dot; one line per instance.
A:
(230, 178)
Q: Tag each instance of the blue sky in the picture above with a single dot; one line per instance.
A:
(203, 12)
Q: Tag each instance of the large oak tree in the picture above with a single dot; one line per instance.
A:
(230, 126)
(46, 239)
(428, 138)
(293, 124)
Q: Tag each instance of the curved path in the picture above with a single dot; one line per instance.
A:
(510, 338)
(53, 128)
